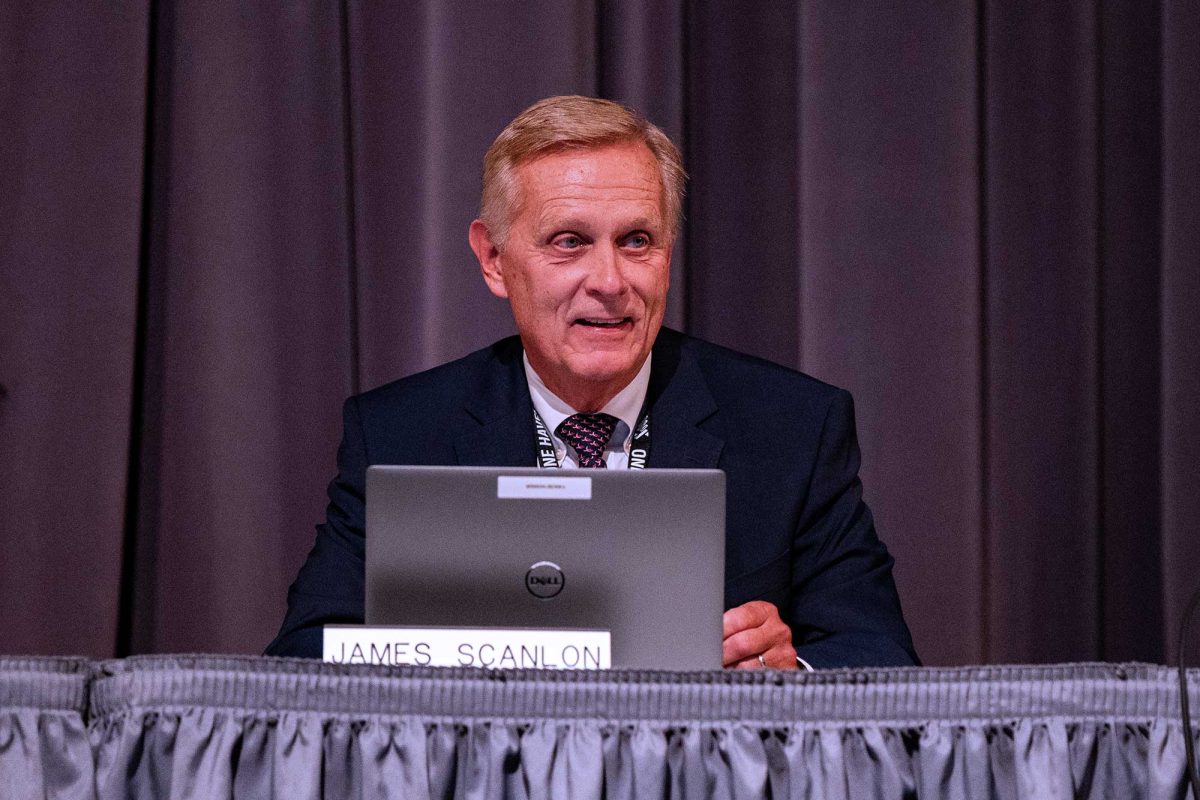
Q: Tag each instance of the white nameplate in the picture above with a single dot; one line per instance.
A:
(497, 648)
(536, 487)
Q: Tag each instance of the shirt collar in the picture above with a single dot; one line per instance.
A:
(625, 405)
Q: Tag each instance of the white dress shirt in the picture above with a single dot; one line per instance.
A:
(625, 406)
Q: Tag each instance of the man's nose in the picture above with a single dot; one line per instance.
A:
(605, 275)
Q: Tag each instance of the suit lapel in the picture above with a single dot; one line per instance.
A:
(679, 400)
(499, 432)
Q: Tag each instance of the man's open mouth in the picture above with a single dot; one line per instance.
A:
(603, 322)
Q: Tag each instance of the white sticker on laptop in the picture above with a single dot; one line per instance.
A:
(539, 487)
(493, 648)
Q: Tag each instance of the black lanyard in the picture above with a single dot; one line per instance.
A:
(639, 445)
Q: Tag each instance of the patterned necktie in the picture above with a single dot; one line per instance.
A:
(588, 435)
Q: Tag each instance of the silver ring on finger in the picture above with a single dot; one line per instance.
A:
(762, 660)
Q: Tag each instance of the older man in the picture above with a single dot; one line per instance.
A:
(581, 202)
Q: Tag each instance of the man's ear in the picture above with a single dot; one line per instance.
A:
(489, 257)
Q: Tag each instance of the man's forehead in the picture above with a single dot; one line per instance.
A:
(622, 159)
(621, 176)
(587, 210)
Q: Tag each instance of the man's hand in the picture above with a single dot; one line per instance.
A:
(754, 630)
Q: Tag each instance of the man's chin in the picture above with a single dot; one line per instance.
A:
(605, 371)
(602, 375)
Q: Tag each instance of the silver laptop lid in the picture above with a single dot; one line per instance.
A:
(640, 553)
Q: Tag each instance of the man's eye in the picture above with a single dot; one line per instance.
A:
(638, 241)
(568, 241)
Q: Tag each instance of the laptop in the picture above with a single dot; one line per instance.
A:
(638, 553)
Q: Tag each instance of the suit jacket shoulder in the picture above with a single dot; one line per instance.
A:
(444, 385)
(748, 384)
(450, 414)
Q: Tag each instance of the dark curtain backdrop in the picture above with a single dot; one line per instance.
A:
(218, 219)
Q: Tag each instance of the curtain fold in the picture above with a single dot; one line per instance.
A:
(72, 86)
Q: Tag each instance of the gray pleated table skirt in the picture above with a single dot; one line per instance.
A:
(234, 727)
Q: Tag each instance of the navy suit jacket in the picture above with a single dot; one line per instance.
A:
(797, 532)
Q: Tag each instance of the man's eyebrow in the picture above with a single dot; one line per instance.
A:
(553, 225)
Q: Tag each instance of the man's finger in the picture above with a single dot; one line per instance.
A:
(781, 657)
(745, 616)
(774, 658)
(742, 645)
(746, 663)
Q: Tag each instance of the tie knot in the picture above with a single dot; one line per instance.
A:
(588, 435)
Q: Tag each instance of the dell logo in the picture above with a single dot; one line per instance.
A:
(544, 580)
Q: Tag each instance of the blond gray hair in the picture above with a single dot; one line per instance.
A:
(564, 123)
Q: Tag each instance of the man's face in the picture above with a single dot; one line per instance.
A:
(585, 267)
